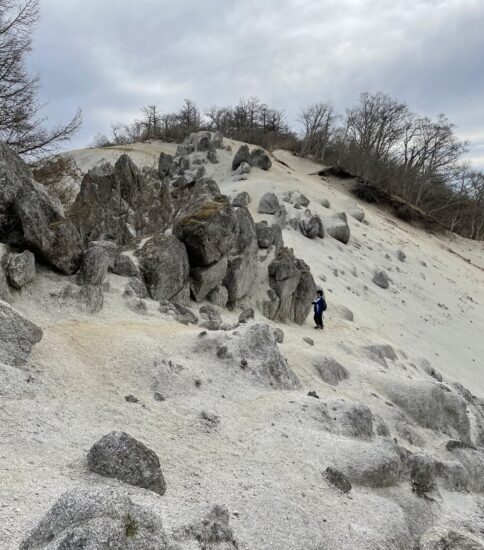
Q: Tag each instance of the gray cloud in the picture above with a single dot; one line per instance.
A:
(112, 56)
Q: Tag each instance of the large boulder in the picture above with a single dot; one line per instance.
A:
(99, 210)
(17, 335)
(21, 268)
(260, 159)
(97, 520)
(304, 294)
(163, 261)
(121, 203)
(208, 229)
(337, 227)
(268, 204)
(291, 280)
(31, 219)
(206, 279)
(119, 455)
(148, 198)
(242, 264)
(242, 155)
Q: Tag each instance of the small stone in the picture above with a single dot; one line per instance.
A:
(381, 279)
(313, 394)
(131, 399)
(158, 397)
(309, 341)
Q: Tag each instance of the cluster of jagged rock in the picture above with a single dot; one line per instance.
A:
(171, 230)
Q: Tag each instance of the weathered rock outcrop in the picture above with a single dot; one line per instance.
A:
(292, 282)
(17, 335)
(97, 519)
(99, 210)
(121, 203)
(31, 219)
(119, 455)
(163, 261)
(242, 265)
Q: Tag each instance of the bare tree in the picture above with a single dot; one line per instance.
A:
(189, 117)
(22, 125)
(374, 129)
(319, 123)
(151, 122)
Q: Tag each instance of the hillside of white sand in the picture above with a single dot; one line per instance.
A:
(265, 456)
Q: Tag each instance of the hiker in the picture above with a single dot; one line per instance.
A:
(319, 306)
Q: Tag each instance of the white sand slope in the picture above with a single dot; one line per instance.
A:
(265, 458)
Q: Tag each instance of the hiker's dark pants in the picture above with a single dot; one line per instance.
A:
(318, 319)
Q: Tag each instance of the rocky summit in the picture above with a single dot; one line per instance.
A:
(161, 382)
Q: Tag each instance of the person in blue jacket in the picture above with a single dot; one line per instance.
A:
(318, 304)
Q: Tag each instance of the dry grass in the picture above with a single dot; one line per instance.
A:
(205, 211)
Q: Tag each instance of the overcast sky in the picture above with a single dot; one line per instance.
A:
(110, 57)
